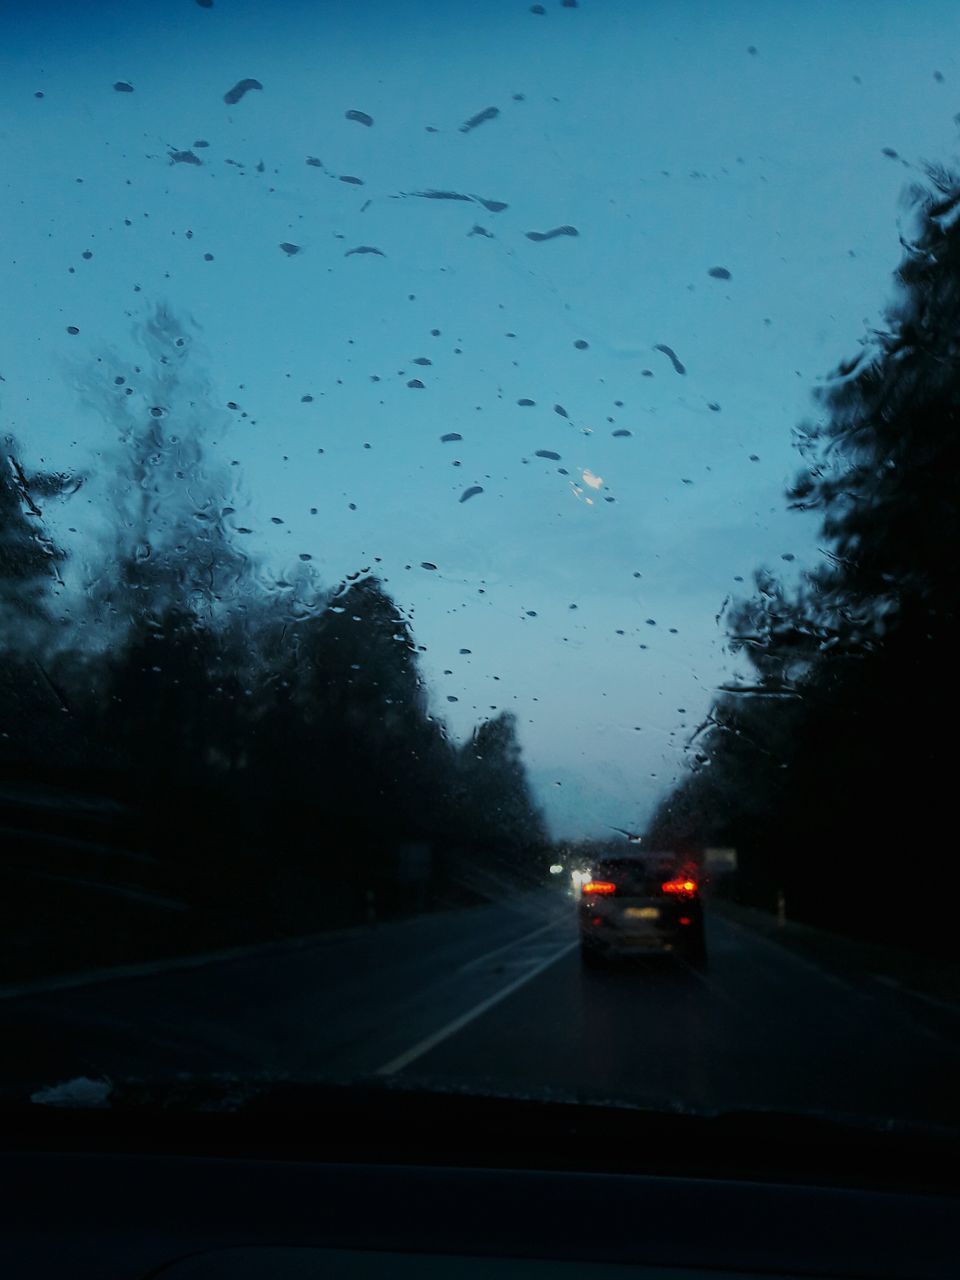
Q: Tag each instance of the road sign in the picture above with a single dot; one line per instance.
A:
(720, 859)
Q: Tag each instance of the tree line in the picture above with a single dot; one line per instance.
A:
(830, 766)
(269, 737)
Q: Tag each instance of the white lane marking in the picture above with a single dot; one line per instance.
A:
(902, 989)
(802, 962)
(515, 942)
(200, 960)
(451, 1029)
(153, 968)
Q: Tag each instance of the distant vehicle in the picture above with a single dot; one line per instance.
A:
(642, 903)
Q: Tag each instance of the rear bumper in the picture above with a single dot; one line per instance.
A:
(614, 942)
(619, 936)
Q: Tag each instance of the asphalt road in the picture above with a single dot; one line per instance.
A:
(495, 997)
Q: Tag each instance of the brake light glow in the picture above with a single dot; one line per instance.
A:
(593, 887)
(683, 888)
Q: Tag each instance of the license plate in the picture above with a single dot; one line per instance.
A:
(642, 913)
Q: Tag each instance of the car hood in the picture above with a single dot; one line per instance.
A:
(376, 1120)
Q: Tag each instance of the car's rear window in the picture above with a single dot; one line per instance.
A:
(636, 875)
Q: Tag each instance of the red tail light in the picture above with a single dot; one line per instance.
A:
(593, 887)
(682, 888)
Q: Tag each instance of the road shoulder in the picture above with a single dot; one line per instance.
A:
(926, 981)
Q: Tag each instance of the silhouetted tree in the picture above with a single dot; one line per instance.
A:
(829, 767)
(274, 737)
(33, 711)
(503, 818)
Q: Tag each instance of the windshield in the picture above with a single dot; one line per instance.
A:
(447, 447)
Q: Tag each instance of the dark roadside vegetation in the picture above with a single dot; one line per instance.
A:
(830, 766)
(199, 752)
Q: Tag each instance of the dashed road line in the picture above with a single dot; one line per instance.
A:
(430, 1042)
(479, 961)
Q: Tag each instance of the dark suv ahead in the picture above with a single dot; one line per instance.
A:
(642, 903)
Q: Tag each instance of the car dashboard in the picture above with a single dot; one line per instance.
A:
(127, 1217)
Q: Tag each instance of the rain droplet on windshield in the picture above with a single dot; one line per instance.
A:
(492, 206)
(552, 234)
(671, 356)
(488, 113)
(241, 88)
